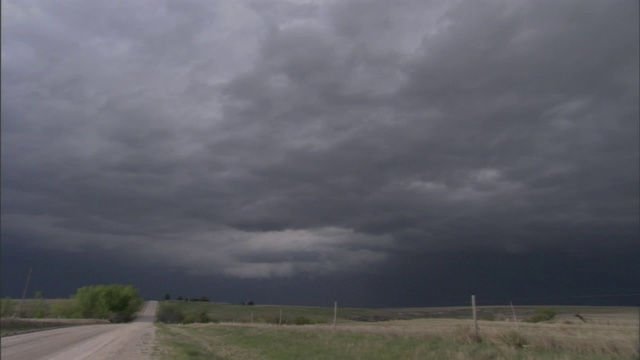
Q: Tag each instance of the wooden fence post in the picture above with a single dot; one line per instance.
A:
(24, 294)
(335, 313)
(515, 318)
(475, 317)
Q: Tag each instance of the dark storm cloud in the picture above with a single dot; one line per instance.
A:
(259, 140)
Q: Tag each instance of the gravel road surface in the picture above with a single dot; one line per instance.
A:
(109, 341)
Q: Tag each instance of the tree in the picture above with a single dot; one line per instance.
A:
(39, 308)
(167, 297)
(118, 303)
(542, 315)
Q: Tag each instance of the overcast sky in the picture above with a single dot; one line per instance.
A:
(375, 152)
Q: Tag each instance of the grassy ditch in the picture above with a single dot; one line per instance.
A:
(257, 332)
(16, 326)
(260, 342)
(245, 341)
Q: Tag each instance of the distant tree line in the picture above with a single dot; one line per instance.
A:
(167, 297)
(180, 298)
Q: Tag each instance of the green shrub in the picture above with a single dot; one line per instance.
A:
(190, 319)
(7, 307)
(512, 339)
(39, 314)
(179, 313)
(170, 314)
(266, 319)
(203, 317)
(196, 317)
(542, 315)
(118, 303)
(488, 317)
(301, 320)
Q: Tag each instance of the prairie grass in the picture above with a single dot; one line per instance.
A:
(271, 342)
(40, 308)
(434, 333)
(16, 326)
(420, 339)
(619, 340)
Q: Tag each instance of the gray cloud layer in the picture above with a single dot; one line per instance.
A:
(261, 139)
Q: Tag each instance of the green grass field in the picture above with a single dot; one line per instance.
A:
(16, 326)
(39, 314)
(417, 333)
(36, 308)
(322, 315)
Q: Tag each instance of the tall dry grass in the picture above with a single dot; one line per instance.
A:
(614, 341)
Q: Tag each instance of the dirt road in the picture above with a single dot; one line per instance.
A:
(99, 342)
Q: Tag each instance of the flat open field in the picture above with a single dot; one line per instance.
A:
(417, 333)
(39, 314)
(320, 315)
(36, 308)
(15, 326)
